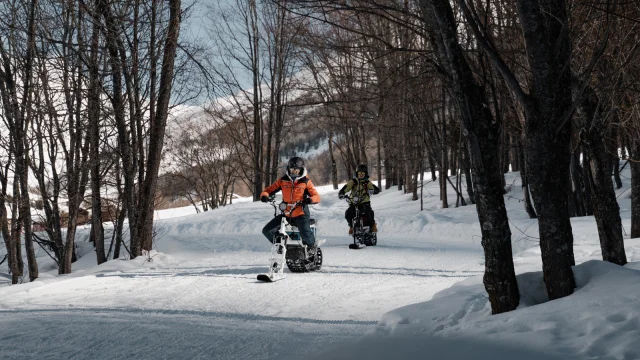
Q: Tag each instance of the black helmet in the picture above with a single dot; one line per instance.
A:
(295, 162)
(362, 168)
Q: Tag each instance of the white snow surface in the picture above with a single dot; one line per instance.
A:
(418, 294)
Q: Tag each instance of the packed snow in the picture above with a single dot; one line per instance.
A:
(417, 294)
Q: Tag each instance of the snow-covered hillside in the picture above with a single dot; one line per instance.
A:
(418, 294)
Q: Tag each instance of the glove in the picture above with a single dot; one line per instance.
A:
(264, 199)
(307, 200)
(340, 196)
(370, 192)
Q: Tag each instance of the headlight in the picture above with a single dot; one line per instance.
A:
(283, 206)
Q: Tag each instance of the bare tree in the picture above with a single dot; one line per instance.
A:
(547, 107)
(93, 118)
(12, 246)
(12, 75)
(481, 131)
(140, 204)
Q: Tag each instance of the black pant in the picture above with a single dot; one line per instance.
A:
(301, 222)
(365, 209)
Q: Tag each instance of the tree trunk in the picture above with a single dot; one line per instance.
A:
(616, 171)
(605, 205)
(612, 150)
(157, 128)
(587, 184)
(17, 115)
(577, 184)
(279, 122)
(122, 215)
(444, 166)
(432, 165)
(414, 187)
(526, 192)
(515, 153)
(546, 107)
(481, 133)
(22, 170)
(8, 240)
(547, 137)
(504, 158)
(334, 166)
(379, 156)
(548, 155)
(93, 109)
(124, 136)
(16, 225)
(422, 170)
(467, 174)
(634, 162)
(257, 108)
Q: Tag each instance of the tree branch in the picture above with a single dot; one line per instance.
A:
(495, 57)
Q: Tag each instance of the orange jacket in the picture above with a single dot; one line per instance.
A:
(294, 191)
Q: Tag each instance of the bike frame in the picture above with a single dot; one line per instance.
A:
(281, 238)
(357, 219)
(362, 234)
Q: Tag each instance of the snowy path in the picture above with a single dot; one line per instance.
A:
(199, 297)
(210, 305)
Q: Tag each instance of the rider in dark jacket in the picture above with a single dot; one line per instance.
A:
(361, 187)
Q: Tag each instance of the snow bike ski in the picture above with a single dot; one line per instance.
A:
(288, 247)
(362, 234)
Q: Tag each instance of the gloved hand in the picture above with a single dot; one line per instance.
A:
(264, 199)
(370, 192)
(340, 196)
(307, 200)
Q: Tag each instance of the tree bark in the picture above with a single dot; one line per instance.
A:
(634, 162)
(93, 114)
(481, 133)
(444, 168)
(6, 235)
(257, 106)
(578, 184)
(547, 138)
(612, 150)
(605, 205)
(546, 108)
(467, 174)
(16, 225)
(17, 115)
(528, 203)
(124, 136)
(334, 166)
(158, 127)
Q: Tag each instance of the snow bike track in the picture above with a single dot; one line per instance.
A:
(212, 307)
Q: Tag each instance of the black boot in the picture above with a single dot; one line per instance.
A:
(311, 251)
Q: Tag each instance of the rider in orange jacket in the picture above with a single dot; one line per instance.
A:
(297, 191)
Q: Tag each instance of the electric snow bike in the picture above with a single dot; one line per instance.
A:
(288, 247)
(362, 235)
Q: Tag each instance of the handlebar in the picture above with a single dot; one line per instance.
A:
(283, 205)
(352, 199)
(355, 199)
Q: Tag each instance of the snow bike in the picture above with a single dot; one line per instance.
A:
(288, 247)
(362, 235)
